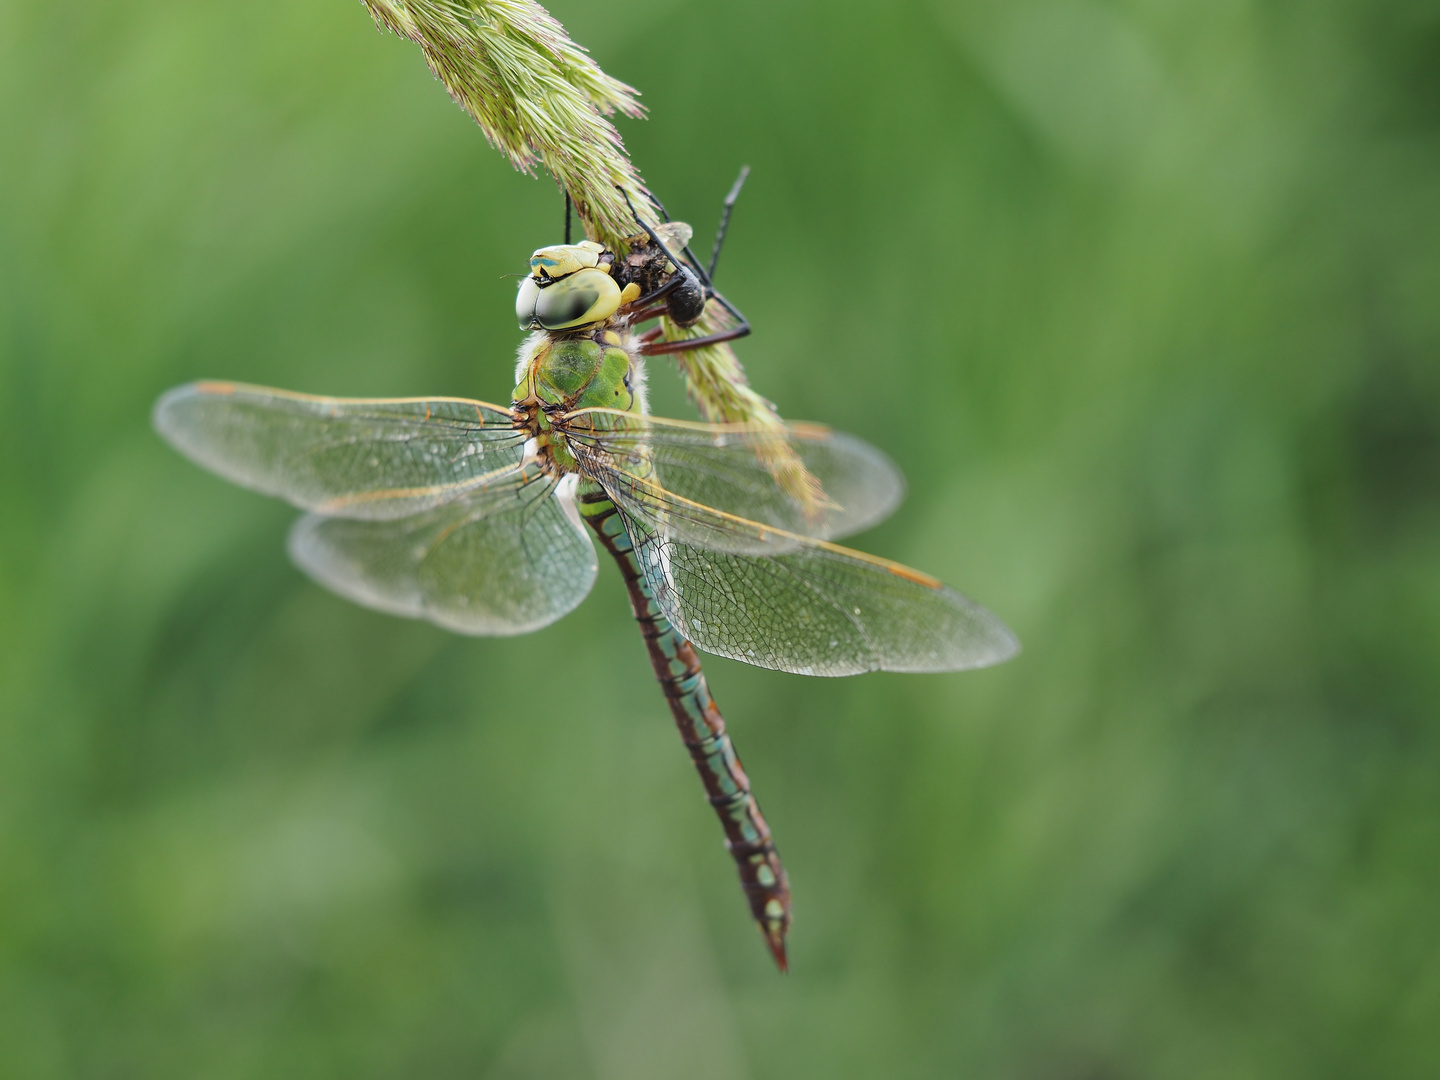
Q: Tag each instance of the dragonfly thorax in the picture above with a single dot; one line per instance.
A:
(599, 369)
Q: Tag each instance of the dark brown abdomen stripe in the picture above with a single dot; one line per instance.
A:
(702, 729)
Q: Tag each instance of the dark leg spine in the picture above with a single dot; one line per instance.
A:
(702, 729)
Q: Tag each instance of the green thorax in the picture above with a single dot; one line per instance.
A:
(579, 371)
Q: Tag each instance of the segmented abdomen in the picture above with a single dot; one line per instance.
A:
(702, 729)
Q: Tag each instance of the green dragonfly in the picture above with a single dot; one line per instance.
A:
(479, 517)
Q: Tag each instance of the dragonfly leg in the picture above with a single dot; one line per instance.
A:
(656, 348)
(648, 314)
(676, 280)
(702, 729)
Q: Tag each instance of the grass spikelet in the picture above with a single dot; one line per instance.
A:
(543, 103)
(537, 96)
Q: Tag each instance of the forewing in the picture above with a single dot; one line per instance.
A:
(841, 486)
(347, 457)
(811, 607)
(505, 560)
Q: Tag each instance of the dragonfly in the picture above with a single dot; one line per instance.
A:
(484, 518)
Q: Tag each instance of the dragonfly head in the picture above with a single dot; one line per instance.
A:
(570, 287)
(553, 263)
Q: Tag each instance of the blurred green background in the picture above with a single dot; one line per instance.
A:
(1145, 299)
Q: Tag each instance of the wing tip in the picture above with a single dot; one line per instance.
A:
(981, 640)
(1003, 643)
(162, 413)
(1010, 646)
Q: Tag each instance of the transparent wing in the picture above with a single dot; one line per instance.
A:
(348, 457)
(802, 479)
(507, 559)
(811, 607)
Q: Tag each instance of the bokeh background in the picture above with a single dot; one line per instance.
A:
(1143, 296)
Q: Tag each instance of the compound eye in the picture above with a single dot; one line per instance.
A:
(586, 296)
(525, 302)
